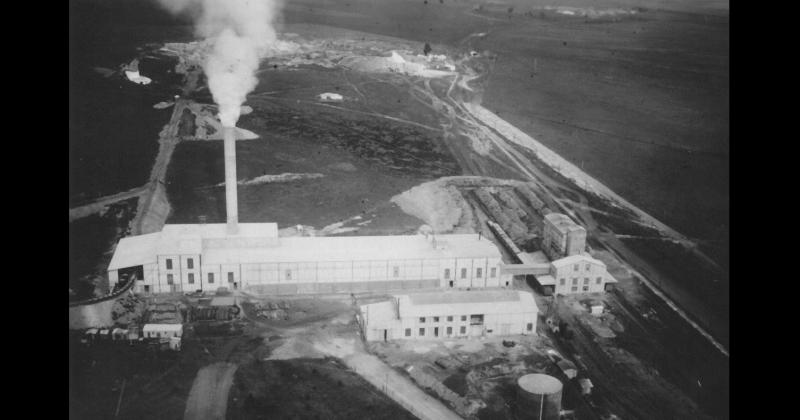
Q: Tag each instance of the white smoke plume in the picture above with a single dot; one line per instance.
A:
(242, 32)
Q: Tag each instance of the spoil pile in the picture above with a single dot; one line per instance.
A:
(127, 310)
(164, 313)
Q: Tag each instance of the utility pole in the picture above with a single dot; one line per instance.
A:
(116, 413)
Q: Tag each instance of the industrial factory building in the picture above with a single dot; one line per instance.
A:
(578, 273)
(190, 257)
(450, 314)
(562, 237)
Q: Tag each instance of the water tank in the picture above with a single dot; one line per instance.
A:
(538, 397)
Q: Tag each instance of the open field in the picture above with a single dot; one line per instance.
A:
(649, 88)
(364, 160)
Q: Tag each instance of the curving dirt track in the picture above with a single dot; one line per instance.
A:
(208, 399)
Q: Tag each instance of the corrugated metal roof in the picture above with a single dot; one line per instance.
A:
(357, 248)
(546, 280)
(577, 259)
(162, 327)
(258, 243)
(219, 230)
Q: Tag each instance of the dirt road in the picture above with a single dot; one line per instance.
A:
(102, 202)
(208, 399)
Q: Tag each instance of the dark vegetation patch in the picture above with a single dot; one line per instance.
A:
(395, 147)
(457, 382)
(156, 382)
(306, 389)
(658, 336)
(91, 240)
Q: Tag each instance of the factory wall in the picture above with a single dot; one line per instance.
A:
(451, 326)
(575, 242)
(319, 277)
(174, 274)
(587, 278)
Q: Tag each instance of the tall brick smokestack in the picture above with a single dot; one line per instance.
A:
(231, 204)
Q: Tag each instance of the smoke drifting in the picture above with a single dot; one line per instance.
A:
(241, 32)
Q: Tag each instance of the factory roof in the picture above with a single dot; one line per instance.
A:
(356, 248)
(219, 230)
(575, 259)
(546, 280)
(179, 245)
(562, 222)
(135, 250)
(537, 257)
(259, 243)
(461, 302)
(162, 327)
(525, 269)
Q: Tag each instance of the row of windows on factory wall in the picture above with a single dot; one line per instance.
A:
(478, 273)
(562, 281)
(449, 330)
(190, 278)
(288, 273)
(189, 263)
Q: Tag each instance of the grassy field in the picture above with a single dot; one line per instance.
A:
(364, 159)
(639, 101)
(307, 389)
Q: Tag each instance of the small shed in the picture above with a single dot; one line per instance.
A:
(175, 343)
(162, 330)
(596, 308)
(133, 334)
(586, 386)
(104, 334)
(89, 335)
(330, 97)
(119, 334)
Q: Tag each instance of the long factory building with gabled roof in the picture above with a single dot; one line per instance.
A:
(190, 257)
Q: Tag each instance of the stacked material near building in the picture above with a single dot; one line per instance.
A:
(206, 256)
(450, 314)
(562, 237)
(538, 397)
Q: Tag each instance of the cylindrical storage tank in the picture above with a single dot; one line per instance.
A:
(538, 397)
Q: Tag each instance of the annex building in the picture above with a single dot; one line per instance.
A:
(450, 314)
(578, 273)
(190, 257)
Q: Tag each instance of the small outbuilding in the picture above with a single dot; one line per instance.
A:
(330, 97)
(119, 334)
(586, 386)
(175, 343)
(162, 330)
